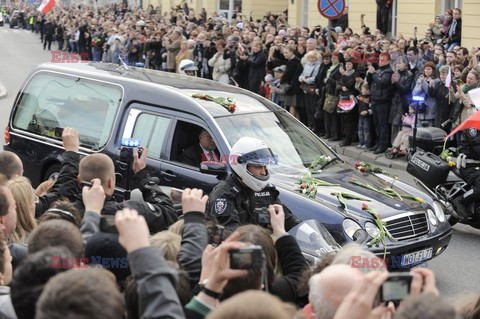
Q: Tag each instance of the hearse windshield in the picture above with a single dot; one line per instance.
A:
(50, 102)
(295, 147)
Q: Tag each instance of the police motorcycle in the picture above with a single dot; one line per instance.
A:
(442, 179)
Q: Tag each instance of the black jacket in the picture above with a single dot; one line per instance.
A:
(193, 155)
(292, 264)
(457, 33)
(233, 204)
(256, 71)
(401, 94)
(157, 208)
(292, 72)
(65, 186)
(333, 77)
(349, 82)
(49, 29)
(381, 85)
(440, 93)
(194, 241)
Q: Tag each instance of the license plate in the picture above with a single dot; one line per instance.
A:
(417, 257)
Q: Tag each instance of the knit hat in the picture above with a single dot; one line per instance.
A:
(103, 249)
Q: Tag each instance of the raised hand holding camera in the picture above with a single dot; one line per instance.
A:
(93, 197)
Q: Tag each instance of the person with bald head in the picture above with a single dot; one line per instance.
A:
(329, 287)
(157, 207)
(10, 165)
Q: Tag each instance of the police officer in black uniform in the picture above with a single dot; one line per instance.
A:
(157, 207)
(468, 163)
(239, 198)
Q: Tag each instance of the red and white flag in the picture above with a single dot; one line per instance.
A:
(46, 6)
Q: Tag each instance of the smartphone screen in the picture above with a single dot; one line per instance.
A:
(396, 288)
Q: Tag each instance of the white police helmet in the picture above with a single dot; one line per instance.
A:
(251, 151)
(187, 65)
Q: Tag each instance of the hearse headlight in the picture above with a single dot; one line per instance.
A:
(372, 229)
(350, 227)
(438, 210)
(431, 217)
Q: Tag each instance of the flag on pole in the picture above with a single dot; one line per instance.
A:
(448, 80)
(472, 122)
(46, 6)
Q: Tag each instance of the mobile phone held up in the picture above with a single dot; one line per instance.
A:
(250, 257)
(396, 287)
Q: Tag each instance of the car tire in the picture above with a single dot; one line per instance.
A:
(51, 172)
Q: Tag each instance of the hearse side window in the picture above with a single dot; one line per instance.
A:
(151, 130)
(51, 102)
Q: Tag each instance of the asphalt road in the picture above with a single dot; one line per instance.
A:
(457, 269)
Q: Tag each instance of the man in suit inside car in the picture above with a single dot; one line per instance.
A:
(205, 150)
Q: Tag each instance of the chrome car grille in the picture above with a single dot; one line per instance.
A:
(407, 225)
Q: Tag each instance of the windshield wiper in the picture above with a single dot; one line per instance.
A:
(329, 162)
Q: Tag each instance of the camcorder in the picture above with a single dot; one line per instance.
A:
(263, 216)
(396, 287)
(251, 257)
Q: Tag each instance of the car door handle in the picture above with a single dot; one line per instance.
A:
(168, 175)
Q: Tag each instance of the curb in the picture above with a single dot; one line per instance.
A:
(366, 156)
(3, 92)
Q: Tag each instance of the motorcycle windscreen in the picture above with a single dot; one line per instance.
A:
(314, 240)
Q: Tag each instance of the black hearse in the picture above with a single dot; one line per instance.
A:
(106, 103)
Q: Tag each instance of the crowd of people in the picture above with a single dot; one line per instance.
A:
(356, 87)
(69, 250)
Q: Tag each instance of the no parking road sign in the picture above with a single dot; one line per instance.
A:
(331, 9)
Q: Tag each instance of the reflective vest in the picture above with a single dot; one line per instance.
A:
(31, 20)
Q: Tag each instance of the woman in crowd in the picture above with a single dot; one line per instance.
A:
(25, 200)
(426, 113)
(346, 87)
(332, 120)
(402, 81)
(256, 67)
(182, 54)
(290, 78)
(307, 80)
(220, 65)
(464, 107)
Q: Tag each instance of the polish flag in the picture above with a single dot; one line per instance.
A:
(46, 6)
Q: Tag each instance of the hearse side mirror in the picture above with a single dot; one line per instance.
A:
(213, 168)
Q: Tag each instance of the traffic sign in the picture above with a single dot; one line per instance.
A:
(331, 9)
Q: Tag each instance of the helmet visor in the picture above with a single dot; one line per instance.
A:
(261, 157)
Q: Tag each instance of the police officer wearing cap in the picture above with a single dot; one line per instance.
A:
(233, 201)
(468, 163)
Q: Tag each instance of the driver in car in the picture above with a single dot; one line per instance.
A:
(239, 199)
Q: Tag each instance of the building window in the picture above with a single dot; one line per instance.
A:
(394, 18)
(451, 4)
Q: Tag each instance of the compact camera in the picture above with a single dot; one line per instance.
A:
(251, 257)
(263, 216)
(396, 287)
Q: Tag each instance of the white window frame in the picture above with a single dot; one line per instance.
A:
(394, 18)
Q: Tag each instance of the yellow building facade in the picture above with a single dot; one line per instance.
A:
(406, 14)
